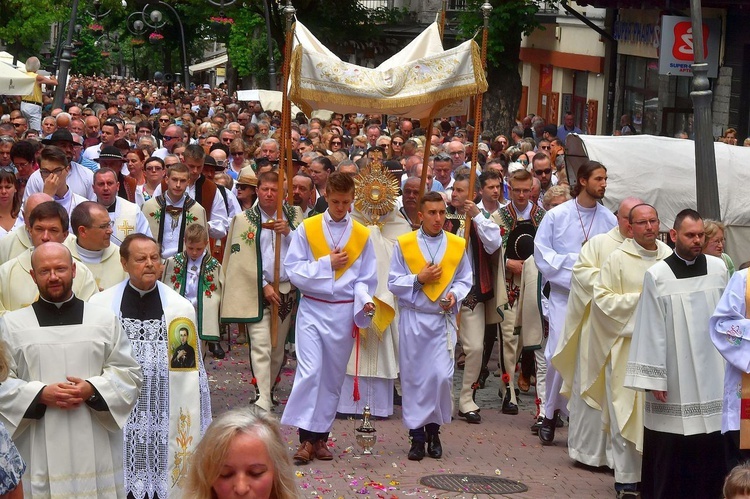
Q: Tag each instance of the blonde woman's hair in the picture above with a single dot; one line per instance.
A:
(209, 456)
(711, 227)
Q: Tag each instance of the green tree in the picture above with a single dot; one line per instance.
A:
(247, 47)
(509, 21)
(24, 24)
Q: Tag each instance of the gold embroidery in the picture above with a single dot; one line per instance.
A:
(182, 455)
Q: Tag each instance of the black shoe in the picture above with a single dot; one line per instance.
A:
(215, 348)
(535, 427)
(547, 431)
(416, 453)
(559, 421)
(508, 406)
(483, 377)
(434, 448)
(472, 417)
(396, 398)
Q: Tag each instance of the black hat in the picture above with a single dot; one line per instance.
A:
(60, 135)
(520, 244)
(110, 152)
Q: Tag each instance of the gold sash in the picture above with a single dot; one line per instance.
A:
(745, 391)
(319, 245)
(414, 259)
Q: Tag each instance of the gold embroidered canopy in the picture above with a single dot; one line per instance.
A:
(420, 81)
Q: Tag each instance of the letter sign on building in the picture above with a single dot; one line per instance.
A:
(676, 54)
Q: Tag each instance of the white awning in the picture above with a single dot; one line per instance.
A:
(211, 63)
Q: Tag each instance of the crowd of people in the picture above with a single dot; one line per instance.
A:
(150, 216)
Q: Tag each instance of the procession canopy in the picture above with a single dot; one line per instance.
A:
(420, 81)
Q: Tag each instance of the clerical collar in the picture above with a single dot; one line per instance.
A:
(687, 262)
(58, 304)
(89, 256)
(140, 291)
(426, 235)
(111, 208)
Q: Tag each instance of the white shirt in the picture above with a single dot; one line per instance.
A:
(218, 225)
(268, 250)
(93, 152)
(80, 180)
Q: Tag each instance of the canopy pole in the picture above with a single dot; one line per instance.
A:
(486, 10)
(284, 164)
(425, 160)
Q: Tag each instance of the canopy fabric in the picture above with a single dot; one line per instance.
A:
(270, 100)
(14, 81)
(420, 81)
(661, 171)
(211, 63)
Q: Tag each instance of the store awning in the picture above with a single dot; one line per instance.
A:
(211, 63)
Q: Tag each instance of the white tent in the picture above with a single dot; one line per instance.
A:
(421, 80)
(14, 82)
(661, 171)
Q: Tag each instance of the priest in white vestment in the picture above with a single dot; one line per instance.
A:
(428, 266)
(174, 407)
(126, 216)
(73, 382)
(332, 262)
(616, 294)
(49, 223)
(588, 439)
(92, 245)
(558, 241)
(673, 360)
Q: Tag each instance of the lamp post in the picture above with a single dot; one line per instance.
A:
(707, 187)
(155, 20)
(65, 59)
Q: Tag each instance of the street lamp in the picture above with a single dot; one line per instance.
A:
(65, 59)
(136, 27)
(155, 20)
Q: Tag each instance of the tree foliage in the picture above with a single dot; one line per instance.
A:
(508, 22)
(24, 24)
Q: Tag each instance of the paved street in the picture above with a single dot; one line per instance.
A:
(500, 446)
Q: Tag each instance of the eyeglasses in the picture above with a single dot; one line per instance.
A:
(164, 121)
(397, 142)
(545, 147)
(242, 187)
(546, 171)
(105, 226)
(335, 142)
(228, 140)
(46, 173)
(167, 137)
(18, 124)
(457, 153)
(238, 153)
(153, 168)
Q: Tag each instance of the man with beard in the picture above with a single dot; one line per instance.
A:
(544, 172)
(303, 186)
(558, 241)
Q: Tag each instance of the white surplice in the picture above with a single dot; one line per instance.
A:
(671, 349)
(562, 232)
(730, 333)
(427, 337)
(173, 408)
(324, 337)
(69, 452)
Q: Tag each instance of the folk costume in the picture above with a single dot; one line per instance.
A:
(168, 220)
(18, 290)
(484, 240)
(174, 406)
(378, 349)
(616, 294)
(559, 238)
(531, 326)
(517, 229)
(588, 440)
(427, 336)
(249, 258)
(128, 218)
(207, 194)
(68, 452)
(671, 351)
(200, 281)
(104, 264)
(330, 308)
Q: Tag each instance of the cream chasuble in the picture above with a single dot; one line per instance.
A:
(108, 271)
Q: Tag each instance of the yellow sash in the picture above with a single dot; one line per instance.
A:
(319, 245)
(416, 261)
